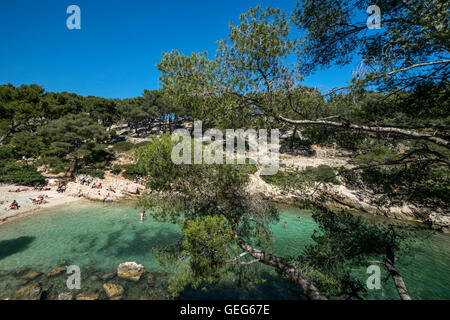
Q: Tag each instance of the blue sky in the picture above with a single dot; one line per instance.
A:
(115, 52)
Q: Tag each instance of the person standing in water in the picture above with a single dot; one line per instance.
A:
(142, 215)
(285, 224)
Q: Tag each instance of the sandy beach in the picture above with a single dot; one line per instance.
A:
(123, 190)
(24, 199)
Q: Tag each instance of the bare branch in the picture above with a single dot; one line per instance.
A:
(310, 290)
(394, 130)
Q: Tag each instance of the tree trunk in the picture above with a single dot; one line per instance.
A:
(10, 130)
(293, 138)
(310, 290)
(398, 280)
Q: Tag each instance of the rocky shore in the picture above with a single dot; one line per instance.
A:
(129, 282)
(342, 197)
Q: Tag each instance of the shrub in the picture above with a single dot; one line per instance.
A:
(14, 172)
(281, 178)
(56, 170)
(123, 146)
(322, 173)
(95, 173)
(142, 143)
(6, 153)
(116, 169)
(249, 168)
(131, 170)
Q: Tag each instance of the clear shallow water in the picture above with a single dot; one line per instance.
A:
(87, 234)
(101, 236)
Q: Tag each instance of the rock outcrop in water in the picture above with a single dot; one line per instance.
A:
(341, 196)
(130, 271)
(21, 271)
(31, 275)
(30, 292)
(440, 221)
(65, 296)
(57, 271)
(83, 296)
(114, 291)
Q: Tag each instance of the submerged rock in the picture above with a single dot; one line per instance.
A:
(440, 221)
(21, 271)
(31, 275)
(83, 296)
(150, 279)
(130, 271)
(65, 296)
(57, 271)
(108, 276)
(113, 290)
(62, 263)
(30, 292)
(3, 273)
(94, 278)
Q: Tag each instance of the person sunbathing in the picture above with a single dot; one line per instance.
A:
(14, 205)
(61, 188)
(38, 201)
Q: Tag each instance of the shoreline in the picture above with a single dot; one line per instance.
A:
(13, 215)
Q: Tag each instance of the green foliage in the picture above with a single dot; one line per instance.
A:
(141, 144)
(123, 146)
(207, 241)
(154, 159)
(344, 242)
(19, 173)
(6, 153)
(298, 179)
(103, 109)
(75, 138)
(419, 184)
(208, 202)
(416, 31)
(322, 173)
(116, 169)
(95, 173)
(131, 170)
(281, 178)
(26, 144)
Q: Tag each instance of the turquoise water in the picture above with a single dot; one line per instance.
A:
(87, 234)
(101, 236)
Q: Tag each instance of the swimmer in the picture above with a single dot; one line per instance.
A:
(285, 224)
(142, 215)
